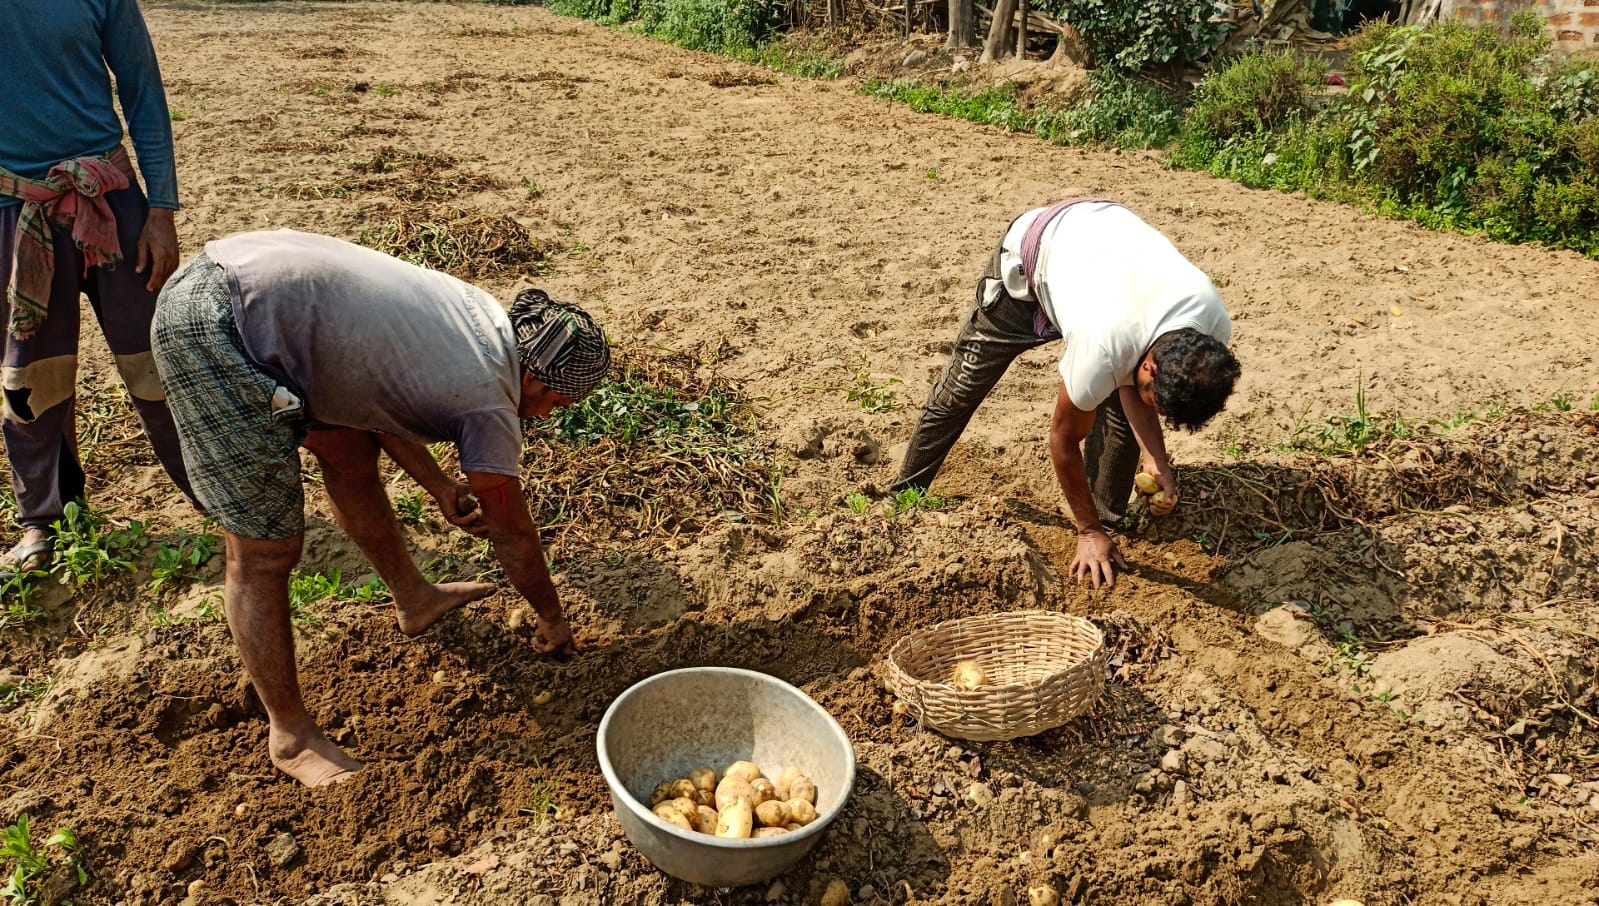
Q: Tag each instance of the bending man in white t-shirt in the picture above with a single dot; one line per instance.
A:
(1145, 335)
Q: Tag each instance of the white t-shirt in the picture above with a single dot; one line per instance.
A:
(1112, 284)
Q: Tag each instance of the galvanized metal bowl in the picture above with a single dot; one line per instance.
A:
(667, 725)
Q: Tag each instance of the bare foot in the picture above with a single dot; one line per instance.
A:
(420, 611)
(312, 759)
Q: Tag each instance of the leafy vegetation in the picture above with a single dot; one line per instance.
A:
(27, 866)
(1133, 36)
(178, 563)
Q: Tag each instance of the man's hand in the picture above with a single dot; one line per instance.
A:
(158, 248)
(555, 637)
(1164, 502)
(1097, 558)
(460, 508)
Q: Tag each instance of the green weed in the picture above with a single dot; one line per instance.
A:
(1125, 111)
(411, 509)
(1347, 435)
(26, 690)
(541, 805)
(913, 500)
(305, 591)
(858, 503)
(873, 397)
(178, 563)
(87, 550)
(27, 865)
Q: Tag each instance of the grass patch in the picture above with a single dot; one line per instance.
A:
(470, 245)
(666, 444)
(26, 866)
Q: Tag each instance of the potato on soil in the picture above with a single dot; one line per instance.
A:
(736, 821)
(703, 778)
(761, 832)
(1148, 485)
(800, 811)
(836, 894)
(670, 814)
(743, 770)
(765, 791)
(802, 788)
(1043, 895)
(771, 813)
(784, 780)
(732, 789)
(968, 676)
(705, 820)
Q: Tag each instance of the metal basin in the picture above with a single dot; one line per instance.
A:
(665, 726)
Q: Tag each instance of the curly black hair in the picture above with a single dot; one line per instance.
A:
(1194, 375)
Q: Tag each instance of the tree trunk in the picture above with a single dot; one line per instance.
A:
(1021, 30)
(910, 10)
(999, 31)
(962, 29)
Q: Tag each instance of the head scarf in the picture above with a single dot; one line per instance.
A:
(559, 344)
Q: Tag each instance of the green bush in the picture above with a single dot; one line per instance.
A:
(1256, 92)
(1123, 111)
(1458, 128)
(715, 26)
(1132, 35)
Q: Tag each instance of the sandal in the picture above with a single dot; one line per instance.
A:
(28, 558)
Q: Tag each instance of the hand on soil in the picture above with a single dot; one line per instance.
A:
(554, 638)
(1097, 559)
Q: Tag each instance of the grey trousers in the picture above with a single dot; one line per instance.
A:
(999, 329)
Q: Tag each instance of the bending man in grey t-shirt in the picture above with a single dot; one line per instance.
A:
(273, 340)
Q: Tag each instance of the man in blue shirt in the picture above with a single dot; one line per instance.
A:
(73, 220)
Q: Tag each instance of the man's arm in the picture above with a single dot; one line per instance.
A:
(448, 493)
(1152, 440)
(516, 544)
(125, 44)
(1097, 557)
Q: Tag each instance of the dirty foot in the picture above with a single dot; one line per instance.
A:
(312, 759)
(417, 612)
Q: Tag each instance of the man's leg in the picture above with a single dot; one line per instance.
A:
(256, 596)
(988, 342)
(1110, 455)
(40, 378)
(349, 461)
(125, 309)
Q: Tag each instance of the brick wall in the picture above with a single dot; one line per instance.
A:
(1573, 24)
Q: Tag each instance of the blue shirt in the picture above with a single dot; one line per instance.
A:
(55, 91)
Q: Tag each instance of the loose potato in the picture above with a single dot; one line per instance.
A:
(771, 813)
(836, 894)
(732, 789)
(736, 821)
(800, 812)
(968, 676)
(682, 789)
(765, 791)
(1163, 501)
(669, 813)
(901, 709)
(705, 820)
(703, 778)
(784, 780)
(743, 770)
(663, 792)
(1043, 895)
(803, 789)
(1148, 485)
(761, 832)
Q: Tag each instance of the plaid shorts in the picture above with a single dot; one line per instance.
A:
(243, 459)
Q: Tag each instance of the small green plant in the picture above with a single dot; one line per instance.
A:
(17, 595)
(305, 590)
(385, 90)
(1347, 435)
(913, 500)
(858, 503)
(25, 690)
(932, 175)
(411, 509)
(372, 591)
(1562, 403)
(178, 116)
(541, 805)
(87, 551)
(28, 865)
(178, 563)
(873, 397)
(532, 188)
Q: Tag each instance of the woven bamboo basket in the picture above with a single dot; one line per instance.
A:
(1040, 669)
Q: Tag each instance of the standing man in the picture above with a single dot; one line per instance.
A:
(273, 340)
(73, 219)
(1146, 338)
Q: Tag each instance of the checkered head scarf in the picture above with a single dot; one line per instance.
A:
(559, 344)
